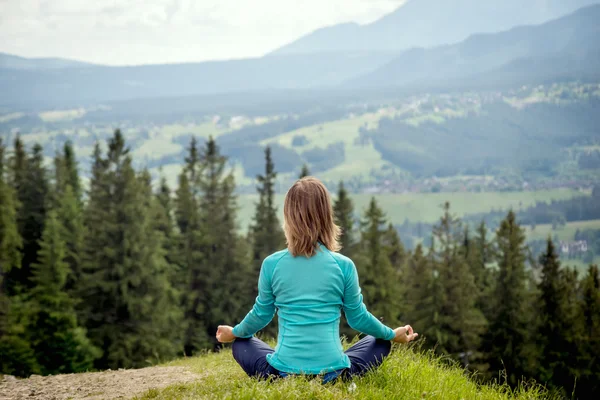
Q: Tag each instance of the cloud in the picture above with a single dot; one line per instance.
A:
(153, 31)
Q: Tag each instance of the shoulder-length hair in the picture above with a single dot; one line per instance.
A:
(308, 218)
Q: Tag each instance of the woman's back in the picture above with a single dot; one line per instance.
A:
(309, 294)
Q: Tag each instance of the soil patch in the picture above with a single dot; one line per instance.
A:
(121, 384)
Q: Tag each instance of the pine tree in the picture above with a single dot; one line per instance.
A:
(60, 345)
(18, 169)
(589, 362)
(70, 216)
(191, 260)
(30, 181)
(570, 376)
(222, 268)
(10, 240)
(126, 276)
(267, 236)
(165, 341)
(166, 226)
(395, 249)
(69, 207)
(423, 297)
(557, 344)
(193, 167)
(67, 173)
(379, 281)
(480, 257)
(461, 323)
(163, 196)
(508, 336)
(344, 210)
(99, 225)
(304, 172)
(16, 356)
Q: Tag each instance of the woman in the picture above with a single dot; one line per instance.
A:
(308, 284)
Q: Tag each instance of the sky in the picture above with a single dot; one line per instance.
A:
(133, 32)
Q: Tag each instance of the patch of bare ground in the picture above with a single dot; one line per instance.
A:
(121, 384)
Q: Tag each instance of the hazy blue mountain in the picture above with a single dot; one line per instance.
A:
(16, 62)
(566, 48)
(427, 23)
(101, 83)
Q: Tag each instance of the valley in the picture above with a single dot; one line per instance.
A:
(403, 144)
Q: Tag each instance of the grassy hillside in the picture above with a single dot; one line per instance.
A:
(404, 375)
(426, 207)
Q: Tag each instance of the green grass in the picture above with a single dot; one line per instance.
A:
(360, 159)
(406, 374)
(426, 207)
(62, 115)
(156, 148)
(203, 130)
(421, 119)
(566, 232)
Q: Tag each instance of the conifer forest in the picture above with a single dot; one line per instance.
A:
(126, 272)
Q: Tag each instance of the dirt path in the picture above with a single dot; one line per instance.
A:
(122, 384)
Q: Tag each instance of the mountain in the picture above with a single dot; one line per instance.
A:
(16, 62)
(566, 48)
(427, 23)
(94, 84)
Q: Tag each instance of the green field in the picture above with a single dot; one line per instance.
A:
(361, 158)
(566, 232)
(426, 207)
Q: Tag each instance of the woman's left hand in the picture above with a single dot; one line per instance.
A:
(225, 334)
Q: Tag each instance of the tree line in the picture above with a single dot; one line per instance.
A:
(124, 273)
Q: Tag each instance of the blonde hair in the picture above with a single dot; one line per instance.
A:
(308, 218)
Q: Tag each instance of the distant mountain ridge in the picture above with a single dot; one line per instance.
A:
(96, 84)
(16, 62)
(427, 23)
(566, 48)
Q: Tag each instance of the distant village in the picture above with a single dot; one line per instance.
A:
(474, 184)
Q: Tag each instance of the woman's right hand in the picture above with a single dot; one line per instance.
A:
(404, 334)
(225, 334)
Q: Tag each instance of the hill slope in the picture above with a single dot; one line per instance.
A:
(566, 48)
(406, 373)
(426, 23)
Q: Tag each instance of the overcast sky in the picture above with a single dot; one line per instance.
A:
(129, 32)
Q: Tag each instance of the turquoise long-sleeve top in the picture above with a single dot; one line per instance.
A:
(308, 295)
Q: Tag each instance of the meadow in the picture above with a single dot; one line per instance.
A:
(426, 207)
(406, 374)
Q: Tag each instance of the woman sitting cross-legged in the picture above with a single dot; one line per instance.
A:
(309, 284)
